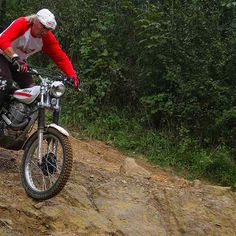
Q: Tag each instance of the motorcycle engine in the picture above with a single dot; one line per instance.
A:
(17, 112)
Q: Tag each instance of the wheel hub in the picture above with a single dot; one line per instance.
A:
(49, 164)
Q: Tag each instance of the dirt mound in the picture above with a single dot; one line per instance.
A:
(113, 194)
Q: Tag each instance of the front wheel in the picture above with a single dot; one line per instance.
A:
(45, 178)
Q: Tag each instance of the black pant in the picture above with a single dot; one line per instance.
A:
(8, 75)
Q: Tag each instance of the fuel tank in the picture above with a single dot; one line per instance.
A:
(27, 95)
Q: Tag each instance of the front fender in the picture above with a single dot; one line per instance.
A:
(54, 126)
(59, 128)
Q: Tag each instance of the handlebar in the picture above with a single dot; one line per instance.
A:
(65, 79)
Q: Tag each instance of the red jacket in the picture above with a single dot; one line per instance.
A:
(18, 36)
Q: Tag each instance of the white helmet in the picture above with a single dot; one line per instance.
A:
(47, 19)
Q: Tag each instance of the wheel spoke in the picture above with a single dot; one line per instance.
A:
(44, 183)
(35, 165)
(53, 166)
(54, 178)
(49, 176)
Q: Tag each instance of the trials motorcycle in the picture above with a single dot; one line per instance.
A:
(47, 160)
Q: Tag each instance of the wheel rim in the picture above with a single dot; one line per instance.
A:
(43, 175)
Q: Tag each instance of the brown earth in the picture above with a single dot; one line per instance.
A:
(113, 194)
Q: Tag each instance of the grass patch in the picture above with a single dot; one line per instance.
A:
(186, 156)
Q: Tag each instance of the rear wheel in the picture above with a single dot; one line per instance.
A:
(45, 178)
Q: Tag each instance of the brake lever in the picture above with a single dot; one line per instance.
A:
(32, 71)
(68, 81)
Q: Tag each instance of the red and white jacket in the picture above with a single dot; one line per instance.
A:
(18, 36)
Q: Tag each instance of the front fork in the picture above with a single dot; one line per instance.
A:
(41, 125)
(41, 128)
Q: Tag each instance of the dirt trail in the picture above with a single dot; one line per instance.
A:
(112, 194)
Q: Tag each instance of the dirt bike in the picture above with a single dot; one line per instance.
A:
(47, 160)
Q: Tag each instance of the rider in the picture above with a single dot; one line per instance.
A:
(24, 37)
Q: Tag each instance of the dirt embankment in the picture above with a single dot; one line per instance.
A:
(112, 194)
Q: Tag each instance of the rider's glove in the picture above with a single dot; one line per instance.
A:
(76, 82)
(19, 65)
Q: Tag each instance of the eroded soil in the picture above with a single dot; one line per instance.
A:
(110, 193)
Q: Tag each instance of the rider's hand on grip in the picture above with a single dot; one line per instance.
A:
(76, 82)
(19, 65)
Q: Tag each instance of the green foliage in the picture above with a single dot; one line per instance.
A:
(190, 55)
